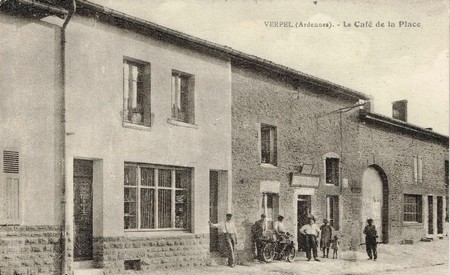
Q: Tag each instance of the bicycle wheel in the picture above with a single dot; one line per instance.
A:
(291, 254)
(267, 253)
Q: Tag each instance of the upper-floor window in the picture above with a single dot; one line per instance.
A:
(183, 107)
(332, 170)
(446, 174)
(136, 92)
(268, 144)
(156, 197)
(10, 188)
(412, 208)
(418, 167)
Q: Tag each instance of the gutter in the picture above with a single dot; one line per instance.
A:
(67, 221)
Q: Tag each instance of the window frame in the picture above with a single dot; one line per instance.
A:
(333, 211)
(187, 116)
(273, 144)
(143, 89)
(417, 169)
(326, 157)
(156, 187)
(418, 207)
(275, 200)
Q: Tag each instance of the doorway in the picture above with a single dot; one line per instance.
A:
(303, 212)
(83, 225)
(430, 215)
(213, 210)
(375, 201)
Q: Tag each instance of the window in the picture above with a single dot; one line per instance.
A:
(270, 208)
(417, 168)
(446, 174)
(9, 189)
(332, 170)
(156, 197)
(183, 97)
(412, 208)
(333, 211)
(136, 92)
(268, 144)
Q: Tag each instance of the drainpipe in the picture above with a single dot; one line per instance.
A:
(67, 221)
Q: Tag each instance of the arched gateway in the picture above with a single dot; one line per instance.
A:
(375, 201)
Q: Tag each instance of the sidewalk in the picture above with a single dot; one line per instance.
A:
(391, 258)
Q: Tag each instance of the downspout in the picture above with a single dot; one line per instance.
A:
(67, 221)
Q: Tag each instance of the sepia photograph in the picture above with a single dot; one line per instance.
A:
(224, 137)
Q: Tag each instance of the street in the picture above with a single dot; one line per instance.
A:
(419, 258)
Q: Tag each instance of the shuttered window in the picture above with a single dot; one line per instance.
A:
(10, 189)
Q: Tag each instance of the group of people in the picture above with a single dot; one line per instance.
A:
(310, 232)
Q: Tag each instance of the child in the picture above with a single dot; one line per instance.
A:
(335, 246)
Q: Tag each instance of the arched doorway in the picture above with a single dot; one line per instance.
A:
(375, 201)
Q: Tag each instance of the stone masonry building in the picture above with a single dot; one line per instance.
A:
(303, 147)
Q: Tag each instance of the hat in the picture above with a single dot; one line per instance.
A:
(229, 215)
(369, 220)
(263, 216)
(280, 217)
(325, 221)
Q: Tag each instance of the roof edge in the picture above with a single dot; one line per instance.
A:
(228, 51)
(399, 124)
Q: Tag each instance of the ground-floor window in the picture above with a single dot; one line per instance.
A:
(270, 208)
(412, 208)
(156, 197)
(9, 188)
(333, 211)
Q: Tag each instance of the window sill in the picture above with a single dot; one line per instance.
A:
(268, 165)
(157, 233)
(412, 223)
(182, 124)
(136, 126)
(331, 185)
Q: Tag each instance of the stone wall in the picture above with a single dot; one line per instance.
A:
(307, 129)
(30, 250)
(153, 253)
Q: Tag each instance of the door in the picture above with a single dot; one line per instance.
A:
(430, 215)
(372, 203)
(213, 210)
(303, 212)
(82, 188)
(440, 213)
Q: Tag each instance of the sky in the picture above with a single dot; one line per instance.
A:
(387, 63)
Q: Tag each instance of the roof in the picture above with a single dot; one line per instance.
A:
(400, 125)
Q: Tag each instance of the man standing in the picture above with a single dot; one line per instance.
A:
(326, 230)
(311, 232)
(229, 230)
(257, 232)
(371, 239)
(278, 226)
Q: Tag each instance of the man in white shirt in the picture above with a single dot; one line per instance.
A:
(312, 233)
(229, 230)
(278, 226)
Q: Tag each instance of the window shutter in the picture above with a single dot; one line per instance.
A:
(9, 188)
(10, 162)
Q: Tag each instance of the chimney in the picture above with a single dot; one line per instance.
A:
(366, 105)
(400, 110)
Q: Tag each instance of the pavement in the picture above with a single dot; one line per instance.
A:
(421, 258)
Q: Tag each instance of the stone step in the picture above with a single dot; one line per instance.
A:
(88, 271)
